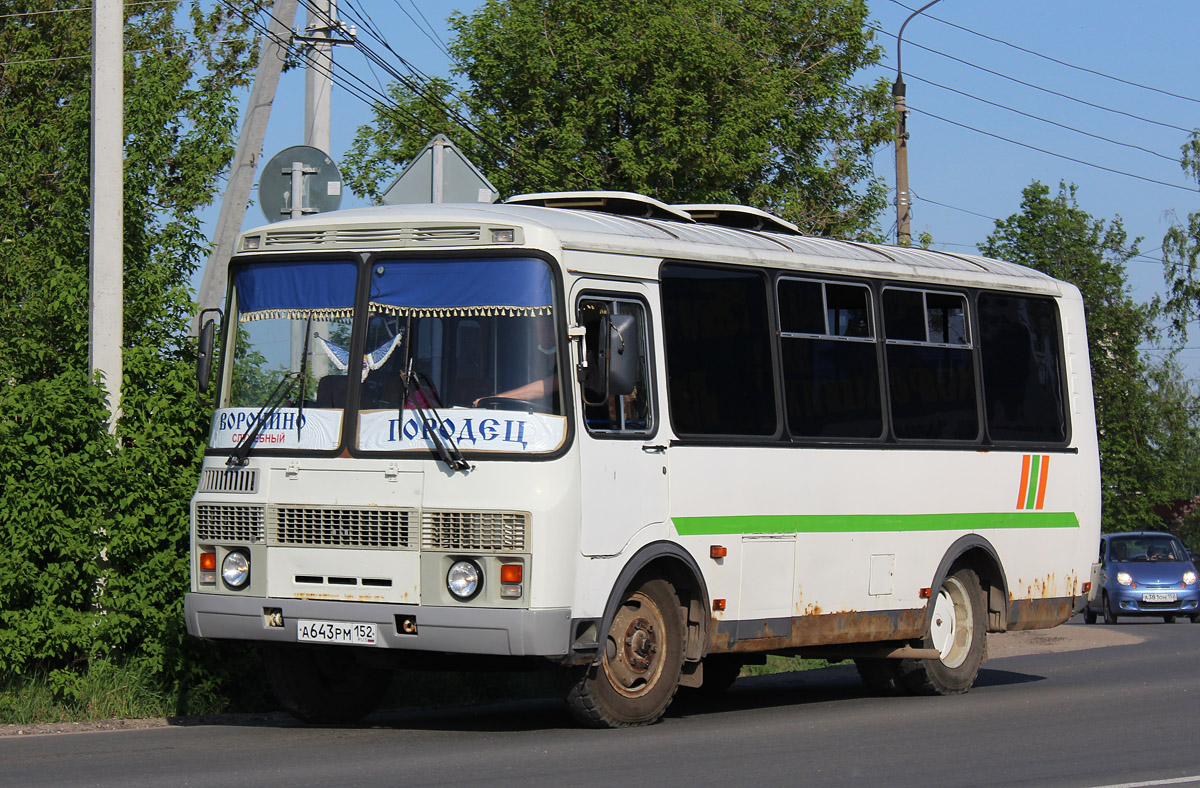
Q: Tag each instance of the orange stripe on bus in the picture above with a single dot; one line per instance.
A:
(1024, 481)
(1041, 498)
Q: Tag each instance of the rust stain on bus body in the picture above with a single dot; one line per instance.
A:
(821, 629)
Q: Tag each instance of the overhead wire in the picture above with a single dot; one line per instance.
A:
(1035, 53)
(1037, 87)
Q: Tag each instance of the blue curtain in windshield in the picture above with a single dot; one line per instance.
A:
(295, 290)
(510, 286)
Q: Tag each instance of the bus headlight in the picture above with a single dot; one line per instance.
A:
(1124, 579)
(235, 569)
(464, 580)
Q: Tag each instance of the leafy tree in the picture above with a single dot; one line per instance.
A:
(95, 525)
(1181, 253)
(1144, 411)
(744, 101)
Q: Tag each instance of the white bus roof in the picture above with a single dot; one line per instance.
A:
(468, 225)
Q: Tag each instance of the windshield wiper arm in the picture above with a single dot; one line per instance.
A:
(443, 442)
(264, 415)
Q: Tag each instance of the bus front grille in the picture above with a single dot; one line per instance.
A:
(314, 526)
(217, 522)
(497, 531)
(241, 480)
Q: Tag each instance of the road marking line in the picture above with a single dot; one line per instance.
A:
(1148, 783)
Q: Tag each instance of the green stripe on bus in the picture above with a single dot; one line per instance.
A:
(854, 523)
(1035, 468)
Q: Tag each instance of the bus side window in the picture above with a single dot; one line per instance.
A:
(605, 412)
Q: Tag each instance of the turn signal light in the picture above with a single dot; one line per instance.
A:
(208, 562)
(718, 605)
(1087, 587)
(717, 551)
(511, 573)
(926, 593)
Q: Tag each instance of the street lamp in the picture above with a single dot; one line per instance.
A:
(903, 200)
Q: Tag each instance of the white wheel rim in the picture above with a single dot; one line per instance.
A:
(951, 629)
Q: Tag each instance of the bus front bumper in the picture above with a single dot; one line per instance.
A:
(463, 630)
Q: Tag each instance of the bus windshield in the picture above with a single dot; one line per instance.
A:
(456, 350)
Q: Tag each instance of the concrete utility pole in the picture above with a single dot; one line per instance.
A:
(903, 197)
(318, 75)
(107, 239)
(245, 161)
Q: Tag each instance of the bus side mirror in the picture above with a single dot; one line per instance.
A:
(208, 332)
(622, 356)
(611, 350)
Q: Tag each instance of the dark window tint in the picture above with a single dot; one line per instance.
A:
(931, 386)
(904, 315)
(831, 381)
(1022, 378)
(718, 344)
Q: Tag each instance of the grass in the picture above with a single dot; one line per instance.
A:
(783, 665)
(105, 691)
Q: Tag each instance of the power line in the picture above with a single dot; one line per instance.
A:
(1054, 59)
(1052, 153)
(1100, 137)
(1038, 87)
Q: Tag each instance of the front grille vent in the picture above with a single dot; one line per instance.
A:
(229, 523)
(244, 480)
(313, 526)
(287, 238)
(497, 531)
(435, 234)
(382, 236)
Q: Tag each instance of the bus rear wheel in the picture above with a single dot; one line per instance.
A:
(637, 675)
(957, 631)
(324, 684)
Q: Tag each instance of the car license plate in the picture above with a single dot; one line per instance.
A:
(1158, 597)
(344, 632)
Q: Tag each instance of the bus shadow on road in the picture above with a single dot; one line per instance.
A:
(833, 684)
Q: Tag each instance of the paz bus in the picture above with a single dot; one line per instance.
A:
(641, 444)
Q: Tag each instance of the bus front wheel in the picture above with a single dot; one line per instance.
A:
(324, 684)
(957, 631)
(638, 673)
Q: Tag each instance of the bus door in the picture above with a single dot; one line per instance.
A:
(623, 451)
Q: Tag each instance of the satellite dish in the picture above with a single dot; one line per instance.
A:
(318, 175)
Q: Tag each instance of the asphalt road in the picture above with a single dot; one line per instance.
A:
(1075, 707)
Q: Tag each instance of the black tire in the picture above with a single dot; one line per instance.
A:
(1109, 616)
(637, 675)
(1169, 618)
(324, 684)
(1089, 616)
(958, 625)
(882, 676)
(1195, 618)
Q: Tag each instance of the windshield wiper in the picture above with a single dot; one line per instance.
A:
(443, 442)
(303, 374)
(264, 415)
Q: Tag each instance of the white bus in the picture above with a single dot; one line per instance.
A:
(646, 444)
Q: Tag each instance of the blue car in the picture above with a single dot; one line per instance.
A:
(1144, 574)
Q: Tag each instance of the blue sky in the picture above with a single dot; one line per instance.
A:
(968, 159)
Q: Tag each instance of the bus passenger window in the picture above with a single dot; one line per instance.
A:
(720, 373)
(1022, 359)
(829, 360)
(931, 372)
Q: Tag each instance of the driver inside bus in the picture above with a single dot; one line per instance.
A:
(543, 366)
